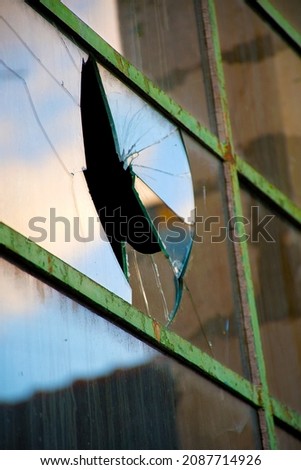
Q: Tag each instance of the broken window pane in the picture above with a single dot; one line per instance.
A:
(72, 380)
(44, 194)
(155, 36)
(139, 178)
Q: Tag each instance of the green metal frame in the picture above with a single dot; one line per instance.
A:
(281, 21)
(54, 270)
(242, 257)
(105, 302)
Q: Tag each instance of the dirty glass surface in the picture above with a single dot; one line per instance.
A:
(275, 256)
(287, 440)
(263, 76)
(155, 37)
(72, 380)
(290, 10)
(43, 191)
(210, 312)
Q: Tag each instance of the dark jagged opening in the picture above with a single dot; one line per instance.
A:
(110, 186)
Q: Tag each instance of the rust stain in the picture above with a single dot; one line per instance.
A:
(50, 264)
(157, 330)
(229, 156)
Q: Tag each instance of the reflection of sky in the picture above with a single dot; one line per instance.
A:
(47, 341)
(41, 145)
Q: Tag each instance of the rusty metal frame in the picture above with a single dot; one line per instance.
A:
(241, 250)
(54, 270)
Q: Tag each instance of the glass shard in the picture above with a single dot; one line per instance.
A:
(176, 236)
(154, 285)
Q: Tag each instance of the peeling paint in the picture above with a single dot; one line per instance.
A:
(157, 330)
(228, 153)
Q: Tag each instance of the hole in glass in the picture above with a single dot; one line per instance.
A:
(138, 175)
(111, 187)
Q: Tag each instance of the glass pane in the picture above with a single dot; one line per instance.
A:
(263, 85)
(43, 190)
(275, 254)
(72, 380)
(287, 440)
(208, 317)
(210, 311)
(291, 10)
(155, 36)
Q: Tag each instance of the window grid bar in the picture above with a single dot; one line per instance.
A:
(65, 19)
(79, 286)
(280, 20)
(245, 281)
(286, 415)
(268, 189)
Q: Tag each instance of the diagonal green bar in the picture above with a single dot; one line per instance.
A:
(286, 415)
(103, 301)
(243, 263)
(58, 13)
(268, 189)
(280, 20)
